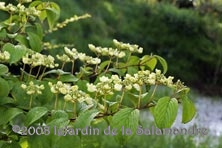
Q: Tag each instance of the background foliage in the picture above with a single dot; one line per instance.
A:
(187, 34)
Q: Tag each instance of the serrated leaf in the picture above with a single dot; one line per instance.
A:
(34, 114)
(189, 110)
(165, 112)
(163, 63)
(35, 42)
(127, 118)
(16, 52)
(4, 88)
(9, 114)
(3, 69)
(85, 118)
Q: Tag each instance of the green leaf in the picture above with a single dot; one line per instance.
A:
(56, 71)
(39, 30)
(189, 110)
(68, 78)
(39, 5)
(16, 52)
(132, 70)
(9, 114)
(53, 14)
(4, 88)
(127, 118)
(148, 61)
(36, 29)
(162, 62)
(35, 42)
(3, 69)
(6, 100)
(133, 60)
(59, 119)
(122, 67)
(34, 114)
(118, 71)
(22, 39)
(3, 33)
(86, 70)
(112, 106)
(19, 95)
(47, 96)
(12, 36)
(35, 3)
(165, 112)
(59, 114)
(85, 118)
(103, 65)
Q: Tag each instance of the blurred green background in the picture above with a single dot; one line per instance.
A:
(186, 33)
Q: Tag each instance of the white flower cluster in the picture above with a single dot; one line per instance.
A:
(63, 58)
(59, 87)
(37, 59)
(32, 88)
(72, 93)
(127, 46)
(27, 1)
(2, 5)
(48, 45)
(77, 95)
(106, 85)
(21, 9)
(107, 51)
(4, 56)
(69, 20)
(148, 78)
(88, 59)
(74, 54)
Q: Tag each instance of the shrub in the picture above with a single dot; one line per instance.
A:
(45, 105)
